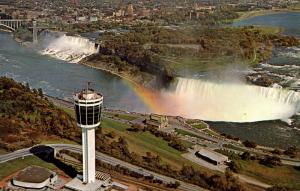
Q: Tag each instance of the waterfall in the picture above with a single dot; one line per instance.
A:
(69, 48)
(235, 102)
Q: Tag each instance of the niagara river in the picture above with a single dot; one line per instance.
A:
(59, 78)
(51, 65)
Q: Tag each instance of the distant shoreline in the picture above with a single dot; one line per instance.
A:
(109, 71)
(251, 14)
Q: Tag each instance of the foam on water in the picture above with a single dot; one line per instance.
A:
(280, 66)
(291, 54)
(69, 48)
(228, 101)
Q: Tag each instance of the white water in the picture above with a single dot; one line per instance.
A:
(69, 48)
(229, 102)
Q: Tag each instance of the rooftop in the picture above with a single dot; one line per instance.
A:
(89, 94)
(33, 174)
(212, 154)
(77, 184)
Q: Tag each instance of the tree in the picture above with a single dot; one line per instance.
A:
(250, 144)
(35, 91)
(234, 166)
(177, 145)
(27, 86)
(278, 188)
(270, 161)
(40, 92)
(291, 151)
(111, 134)
(277, 152)
(246, 155)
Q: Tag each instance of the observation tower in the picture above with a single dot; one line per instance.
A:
(88, 107)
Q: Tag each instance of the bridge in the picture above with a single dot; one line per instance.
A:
(14, 24)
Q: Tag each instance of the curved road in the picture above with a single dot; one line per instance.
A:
(104, 158)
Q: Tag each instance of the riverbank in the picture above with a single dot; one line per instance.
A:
(131, 75)
(250, 14)
(4, 30)
(91, 65)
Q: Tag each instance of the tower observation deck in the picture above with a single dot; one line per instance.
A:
(88, 107)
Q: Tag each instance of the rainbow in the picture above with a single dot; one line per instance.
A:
(149, 97)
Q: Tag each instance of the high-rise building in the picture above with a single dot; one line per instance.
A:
(130, 10)
(74, 2)
(88, 107)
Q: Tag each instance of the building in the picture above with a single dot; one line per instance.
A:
(74, 2)
(212, 156)
(119, 13)
(130, 10)
(93, 18)
(157, 121)
(88, 107)
(145, 13)
(2, 9)
(81, 18)
(103, 182)
(34, 177)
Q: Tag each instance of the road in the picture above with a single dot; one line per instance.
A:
(216, 143)
(107, 159)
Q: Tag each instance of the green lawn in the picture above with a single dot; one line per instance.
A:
(230, 146)
(210, 132)
(190, 121)
(200, 125)
(127, 117)
(204, 63)
(142, 142)
(13, 166)
(58, 141)
(280, 175)
(187, 144)
(183, 132)
(71, 112)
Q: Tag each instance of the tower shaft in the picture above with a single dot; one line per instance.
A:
(88, 148)
(88, 106)
(34, 32)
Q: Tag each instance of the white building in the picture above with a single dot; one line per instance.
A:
(88, 107)
(212, 156)
(35, 177)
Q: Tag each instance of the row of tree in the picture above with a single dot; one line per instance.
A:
(30, 117)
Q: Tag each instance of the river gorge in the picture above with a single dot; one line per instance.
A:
(52, 67)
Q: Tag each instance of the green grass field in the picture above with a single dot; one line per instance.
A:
(200, 125)
(142, 142)
(13, 166)
(183, 132)
(211, 133)
(203, 63)
(69, 111)
(280, 175)
(57, 140)
(127, 117)
(230, 146)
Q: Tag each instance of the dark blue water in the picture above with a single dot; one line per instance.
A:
(285, 63)
(61, 79)
(290, 22)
